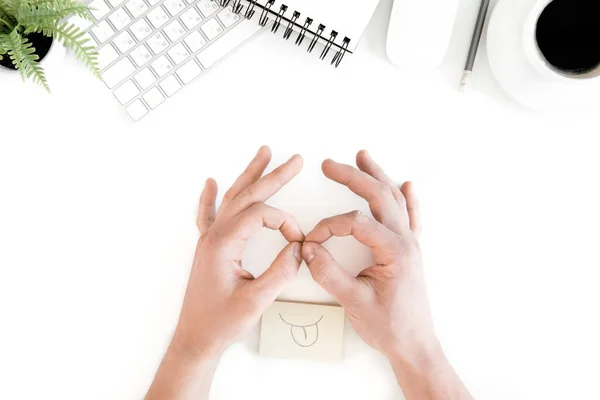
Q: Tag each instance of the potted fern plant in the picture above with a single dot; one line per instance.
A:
(30, 28)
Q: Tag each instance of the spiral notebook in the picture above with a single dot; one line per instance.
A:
(336, 24)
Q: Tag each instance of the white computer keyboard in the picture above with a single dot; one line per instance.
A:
(149, 49)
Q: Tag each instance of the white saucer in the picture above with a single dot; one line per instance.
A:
(517, 74)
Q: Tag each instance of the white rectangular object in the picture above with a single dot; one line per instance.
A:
(302, 331)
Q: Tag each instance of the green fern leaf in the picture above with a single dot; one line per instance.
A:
(73, 38)
(38, 2)
(13, 43)
(35, 72)
(7, 20)
(47, 14)
(23, 57)
(3, 49)
(11, 7)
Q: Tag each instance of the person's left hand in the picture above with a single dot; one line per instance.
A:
(223, 301)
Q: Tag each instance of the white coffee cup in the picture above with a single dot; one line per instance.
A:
(537, 58)
(522, 70)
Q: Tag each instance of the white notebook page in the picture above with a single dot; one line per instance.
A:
(349, 18)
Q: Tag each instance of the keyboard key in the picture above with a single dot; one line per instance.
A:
(118, 72)
(103, 31)
(174, 7)
(137, 110)
(227, 43)
(191, 18)
(157, 43)
(145, 78)
(178, 53)
(158, 17)
(211, 29)
(106, 55)
(115, 3)
(141, 29)
(126, 92)
(154, 98)
(120, 19)
(228, 17)
(141, 55)
(99, 8)
(162, 66)
(195, 41)
(170, 85)
(189, 71)
(154, 2)
(207, 7)
(174, 30)
(124, 42)
(136, 7)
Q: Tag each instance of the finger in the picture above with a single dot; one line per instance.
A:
(328, 273)
(365, 163)
(237, 232)
(206, 206)
(365, 229)
(379, 196)
(251, 174)
(283, 270)
(412, 205)
(267, 186)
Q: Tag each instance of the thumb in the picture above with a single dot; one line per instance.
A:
(328, 273)
(283, 270)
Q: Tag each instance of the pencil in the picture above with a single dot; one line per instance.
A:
(466, 78)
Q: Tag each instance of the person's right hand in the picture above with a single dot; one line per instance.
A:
(386, 303)
(223, 301)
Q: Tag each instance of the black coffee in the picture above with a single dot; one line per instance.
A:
(568, 35)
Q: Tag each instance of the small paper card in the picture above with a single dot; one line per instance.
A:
(305, 331)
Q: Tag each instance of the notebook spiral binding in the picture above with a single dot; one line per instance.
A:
(293, 20)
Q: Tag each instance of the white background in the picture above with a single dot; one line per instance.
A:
(97, 221)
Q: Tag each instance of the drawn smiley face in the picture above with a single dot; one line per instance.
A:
(304, 335)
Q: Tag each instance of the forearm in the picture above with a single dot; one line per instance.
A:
(428, 377)
(183, 374)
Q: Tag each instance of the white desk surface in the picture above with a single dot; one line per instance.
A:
(97, 222)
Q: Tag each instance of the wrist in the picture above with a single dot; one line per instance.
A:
(419, 359)
(185, 346)
(427, 374)
(418, 374)
(186, 371)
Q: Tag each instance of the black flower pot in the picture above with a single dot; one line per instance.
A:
(40, 43)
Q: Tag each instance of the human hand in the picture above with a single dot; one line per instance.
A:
(223, 301)
(386, 303)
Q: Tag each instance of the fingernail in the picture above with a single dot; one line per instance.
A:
(308, 253)
(297, 249)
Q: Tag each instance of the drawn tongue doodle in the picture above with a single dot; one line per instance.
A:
(304, 335)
